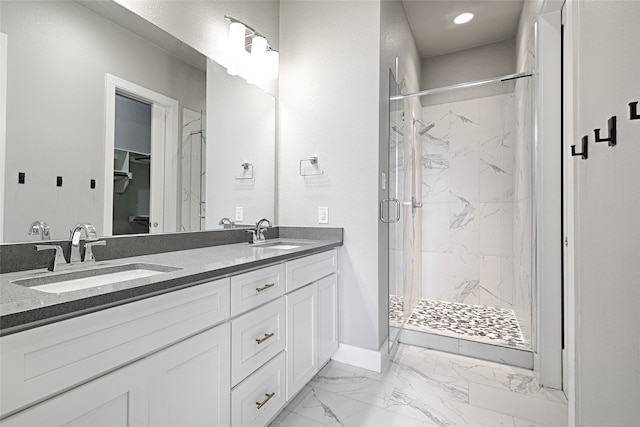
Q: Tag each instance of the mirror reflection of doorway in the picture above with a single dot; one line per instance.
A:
(132, 161)
(162, 156)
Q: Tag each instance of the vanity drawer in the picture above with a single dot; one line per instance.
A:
(256, 337)
(255, 288)
(305, 270)
(258, 398)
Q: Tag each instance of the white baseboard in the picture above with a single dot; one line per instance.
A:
(360, 357)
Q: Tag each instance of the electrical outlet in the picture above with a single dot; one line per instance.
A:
(239, 213)
(323, 215)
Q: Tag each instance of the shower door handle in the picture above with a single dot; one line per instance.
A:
(390, 221)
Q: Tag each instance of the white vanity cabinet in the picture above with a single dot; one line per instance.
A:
(229, 352)
(312, 321)
(184, 384)
(43, 362)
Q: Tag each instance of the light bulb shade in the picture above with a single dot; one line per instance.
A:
(271, 65)
(237, 32)
(258, 48)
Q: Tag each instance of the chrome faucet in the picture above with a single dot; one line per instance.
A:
(260, 230)
(74, 238)
(226, 223)
(39, 228)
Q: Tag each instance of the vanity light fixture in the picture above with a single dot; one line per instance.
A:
(463, 18)
(260, 62)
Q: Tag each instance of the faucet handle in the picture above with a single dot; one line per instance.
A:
(88, 251)
(254, 235)
(57, 259)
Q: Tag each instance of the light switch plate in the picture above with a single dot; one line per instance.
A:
(239, 213)
(323, 215)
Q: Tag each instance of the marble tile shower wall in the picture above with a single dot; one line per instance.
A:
(469, 182)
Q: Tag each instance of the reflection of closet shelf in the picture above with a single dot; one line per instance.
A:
(121, 161)
(140, 219)
(121, 181)
(122, 174)
(140, 158)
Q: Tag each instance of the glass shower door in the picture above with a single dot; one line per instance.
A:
(392, 208)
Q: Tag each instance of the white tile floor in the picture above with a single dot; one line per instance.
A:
(421, 387)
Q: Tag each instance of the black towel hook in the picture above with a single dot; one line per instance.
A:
(613, 134)
(585, 148)
(633, 111)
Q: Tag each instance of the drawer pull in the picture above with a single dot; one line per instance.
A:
(266, 337)
(264, 402)
(265, 287)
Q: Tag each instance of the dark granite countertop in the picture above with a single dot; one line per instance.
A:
(23, 308)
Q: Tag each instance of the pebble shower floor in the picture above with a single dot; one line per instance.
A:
(474, 322)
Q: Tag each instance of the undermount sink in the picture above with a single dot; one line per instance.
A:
(91, 278)
(279, 245)
(282, 246)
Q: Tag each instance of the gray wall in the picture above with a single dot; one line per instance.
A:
(329, 107)
(201, 23)
(492, 60)
(59, 53)
(241, 121)
(607, 202)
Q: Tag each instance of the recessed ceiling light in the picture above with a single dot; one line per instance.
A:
(463, 18)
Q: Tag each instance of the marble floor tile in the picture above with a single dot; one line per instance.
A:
(337, 410)
(541, 411)
(422, 387)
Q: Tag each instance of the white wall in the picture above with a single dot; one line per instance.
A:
(607, 203)
(329, 108)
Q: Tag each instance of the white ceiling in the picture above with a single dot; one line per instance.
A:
(431, 23)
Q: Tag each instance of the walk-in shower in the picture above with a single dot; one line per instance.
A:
(476, 200)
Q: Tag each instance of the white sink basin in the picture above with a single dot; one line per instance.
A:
(278, 244)
(283, 247)
(85, 279)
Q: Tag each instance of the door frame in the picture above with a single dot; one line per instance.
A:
(164, 154)
(569, 200)
(3, 124)
(548, 213)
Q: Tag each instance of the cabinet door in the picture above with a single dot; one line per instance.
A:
(114, 400)
(327, 318)
(302, 337)
(191, 381)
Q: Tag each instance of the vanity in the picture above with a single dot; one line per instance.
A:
(225, 335)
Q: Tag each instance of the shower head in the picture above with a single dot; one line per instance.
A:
(425, 127)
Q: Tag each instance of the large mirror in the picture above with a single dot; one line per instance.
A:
(80, 75)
